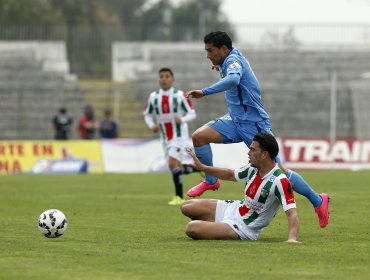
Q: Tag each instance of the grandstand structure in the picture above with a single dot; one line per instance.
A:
(121, 100)
(296, 84)
(34, 83)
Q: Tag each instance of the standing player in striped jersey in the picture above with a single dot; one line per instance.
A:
(245, 118)
(266, 189)
(172, 111)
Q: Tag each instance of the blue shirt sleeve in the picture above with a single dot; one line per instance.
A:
(230, 81)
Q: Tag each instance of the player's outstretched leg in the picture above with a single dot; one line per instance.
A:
(320, 202)
(204, 153)
(177, 180)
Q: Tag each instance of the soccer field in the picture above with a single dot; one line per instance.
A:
(120, 227)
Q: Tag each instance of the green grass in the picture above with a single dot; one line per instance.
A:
(120, 227)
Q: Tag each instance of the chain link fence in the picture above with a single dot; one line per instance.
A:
(90, 47)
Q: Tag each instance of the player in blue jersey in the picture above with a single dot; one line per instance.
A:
(246, 117)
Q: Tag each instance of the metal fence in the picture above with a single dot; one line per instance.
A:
(89, 47)
(304, 34)
(90, 57)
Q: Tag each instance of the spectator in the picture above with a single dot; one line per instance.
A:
(62, 124)
(267, 187)
(88, 123)
(108, 127)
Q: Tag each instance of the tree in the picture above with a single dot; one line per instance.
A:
(193, 19)
(156, 21)
(90, 26)
(27, 12)
(188, 21)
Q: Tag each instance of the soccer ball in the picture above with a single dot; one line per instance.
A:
(52, 223)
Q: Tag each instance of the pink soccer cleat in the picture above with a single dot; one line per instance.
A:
(322, 211)
(199, 189)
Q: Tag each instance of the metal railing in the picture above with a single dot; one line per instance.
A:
(89, 47)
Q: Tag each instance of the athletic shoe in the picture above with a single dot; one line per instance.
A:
(199, 189)
(322, 211)
(176, 200)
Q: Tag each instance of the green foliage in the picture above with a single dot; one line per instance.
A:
(194, 19)
(156, 22)
(120, 227)
(27, 12)
(90, 26)
(69, 12)
(159, 21)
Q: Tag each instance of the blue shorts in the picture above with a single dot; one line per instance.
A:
(234, 132)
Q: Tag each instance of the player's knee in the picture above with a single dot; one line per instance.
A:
(192, 230)
(199, 138)
(174, 164)
(185, 207)
(174, 167)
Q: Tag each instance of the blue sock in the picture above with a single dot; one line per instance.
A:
(204, 153)
(300, 186)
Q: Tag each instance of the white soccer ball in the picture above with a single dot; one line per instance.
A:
(52, 223)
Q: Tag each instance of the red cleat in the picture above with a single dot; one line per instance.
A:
(199, 189)
(322, 211)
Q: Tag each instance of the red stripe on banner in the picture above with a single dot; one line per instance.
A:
(288, 190)
(253, 187)
(165, 104)
(169, 131)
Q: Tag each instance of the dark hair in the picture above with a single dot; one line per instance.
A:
(165, 69)
(88, 108)
(62, 110)
(218, 39)
(267, 143)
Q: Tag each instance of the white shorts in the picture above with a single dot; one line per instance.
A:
(227, 211)
(177, 150)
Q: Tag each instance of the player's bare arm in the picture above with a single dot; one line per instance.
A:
(221, 173)
(293, 225)
(196, 93)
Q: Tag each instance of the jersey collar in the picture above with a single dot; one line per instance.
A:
(271, 172)
(166, 92)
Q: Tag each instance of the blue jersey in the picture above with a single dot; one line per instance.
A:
(242, 90)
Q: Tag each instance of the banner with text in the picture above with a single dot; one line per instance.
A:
(41, 157)
(322, 154)
(138, 155)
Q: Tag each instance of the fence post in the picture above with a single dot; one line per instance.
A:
(333, 107)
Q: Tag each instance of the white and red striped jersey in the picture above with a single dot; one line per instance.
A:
(263, 196)
(165, 105)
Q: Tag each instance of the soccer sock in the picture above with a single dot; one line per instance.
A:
(177, 179)
(204, 153)
(187, 169)
(300, 186)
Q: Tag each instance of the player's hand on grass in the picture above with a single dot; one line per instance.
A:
(197, 93)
